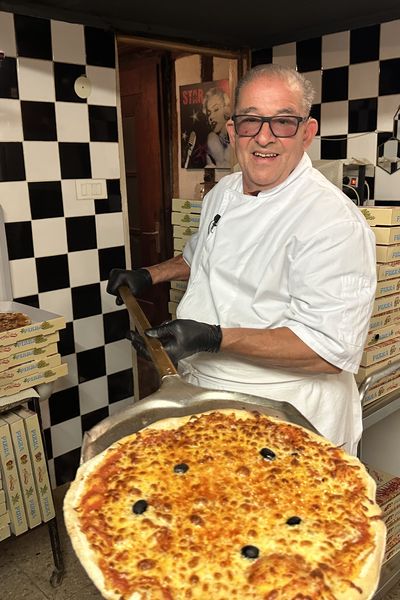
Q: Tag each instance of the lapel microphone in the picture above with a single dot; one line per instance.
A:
(213, 223)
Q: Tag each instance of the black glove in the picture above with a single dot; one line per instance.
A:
(184, 337)
(139, 344)
(137, 280)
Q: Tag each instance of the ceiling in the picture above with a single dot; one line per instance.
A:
(233, 25)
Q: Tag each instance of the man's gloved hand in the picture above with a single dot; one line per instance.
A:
(137, 280)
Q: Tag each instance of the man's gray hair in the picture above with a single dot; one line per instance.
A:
(292, 77)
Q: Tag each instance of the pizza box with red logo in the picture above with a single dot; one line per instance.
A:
(381, 389)
(12, 353)
(364, 372)
(383, 334)
(11, 483)
(385, 304)
(380, 352)
(45, 375)
(381, 215)
(387, 490)
(43, 323)
(29, 368)
(384, 319)
(385, 254)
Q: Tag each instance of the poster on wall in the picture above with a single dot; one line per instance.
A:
(205, 109)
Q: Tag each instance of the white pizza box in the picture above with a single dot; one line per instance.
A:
(186, 219)
(376, 392)
(176, 295)
(4, 519)
(180, 243)
(385, 254)
(39, 341)
(3, 507)
(364, 372)
(187, 206)
(45, 375)
(5, 532)
(29, 368)
(386, 235)
(380, 352)
(385, 304)
(24, 465)
(385, 288)
(43, 323)
(181, 231)
(179, 285)
(172, 306)
(381, 215)
(384, 319)
(39, 464)
(2, 495)
(20, 358)
(12, 486)
(388, 270)
(382, 335)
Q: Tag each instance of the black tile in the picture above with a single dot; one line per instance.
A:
(66, 466)
(8, 78)
(47, 443)
(52, 272)
(65, 75)
(39, 121)
(363, 115)
(64, 405)
(19, 239)
(116, 326)
(335, 84)
(45, 198)
(383, 136)
(309, 55)
(81, 233)
(334, 146)
(29, 300)
(316, 114)
(33, 37)
(111, 258)
(75, 160)
(364, 44)
(103, 123)
(91, 364)
(86, 300)
(91, 419)
(12, 164)
(261, 57)
(120, 385)
(66, 345)
(113, 201)
(100, 49)
(389, 76)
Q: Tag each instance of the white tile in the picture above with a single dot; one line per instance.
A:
(390, 40)
(23, 277)
(119, 356)
(315, 77)
(71, 379)
(104, 159)
(49, 237)
(83, 267)
(364, 80)
(387, 107)
(72, 206)
(110, 230)
(336, 49)
(103, 81)
(314, 150)
(93, 395)
(107, 300)
(285, 54)
(88, 333)
(117, 407)
(11, 121)
(58, 302)
(14, 200)
(72, 122)
(68, 42)
(334, 118)
(7, 34)
(42, 161)
(66, 436)
(362, 146)
(36, 79)
(386, 186)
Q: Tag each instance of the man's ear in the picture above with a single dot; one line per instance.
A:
(310, 131)
(230, 127)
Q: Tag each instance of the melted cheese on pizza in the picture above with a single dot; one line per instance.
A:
(228, 508)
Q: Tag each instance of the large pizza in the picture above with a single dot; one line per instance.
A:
(226, 505)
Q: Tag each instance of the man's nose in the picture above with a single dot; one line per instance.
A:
(265, 134)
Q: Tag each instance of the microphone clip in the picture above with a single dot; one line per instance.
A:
(213, 223)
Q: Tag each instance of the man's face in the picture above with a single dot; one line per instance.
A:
(265, 160)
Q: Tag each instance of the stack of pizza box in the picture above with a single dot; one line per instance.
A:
(388, 498)
(29, 354)
(382, 347)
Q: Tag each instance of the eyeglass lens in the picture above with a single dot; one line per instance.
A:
(249, 126)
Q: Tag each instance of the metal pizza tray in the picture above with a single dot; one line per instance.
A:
(174, 398)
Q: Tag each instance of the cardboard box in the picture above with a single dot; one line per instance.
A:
(364, 372)
(386, 235)
(12, 486)
(385, 304)
(385, 288)
(41, 376)
(384, 319)
(176, 295)
(381, 335)
(43, 323)
(5, 532)
(188, 219)
(381, 215)
(24, 466)
(180, 243)
(29, 368)
(380, 352)
(386, 254)
(4, 519)
(179, 285)
(181, 231)
(388, 270)
(187, 206)
(20, 358)
(2, 494)
(39, 341)
(387, 490)
(172, 306)
(3, 507)
(39, 464)
(380, 390)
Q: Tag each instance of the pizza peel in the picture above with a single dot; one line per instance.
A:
(175, 397)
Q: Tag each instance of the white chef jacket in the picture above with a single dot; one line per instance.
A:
(302, 256)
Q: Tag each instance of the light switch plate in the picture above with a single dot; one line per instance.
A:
(91, 189)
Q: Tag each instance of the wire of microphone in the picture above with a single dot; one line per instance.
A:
(191, 143)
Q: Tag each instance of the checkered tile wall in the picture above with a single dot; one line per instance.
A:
(356, 75)
(61, 249)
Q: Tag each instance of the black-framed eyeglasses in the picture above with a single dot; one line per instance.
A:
(282, 126)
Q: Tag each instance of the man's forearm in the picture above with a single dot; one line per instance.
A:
(279, 348)
(174, 268)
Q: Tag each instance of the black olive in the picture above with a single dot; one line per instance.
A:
(267, 453)
(250, 551)
(140, 507)
(293, 521)
(181, 468)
